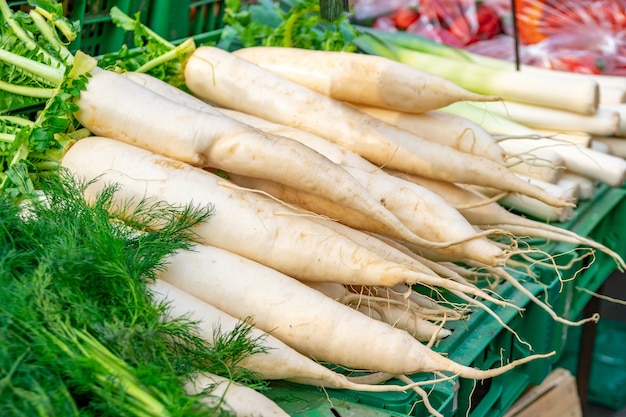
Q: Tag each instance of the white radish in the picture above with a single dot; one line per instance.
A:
(278, 361)
(586, 161)
(423, 212)
(445, 128)
(360, 78)
(226, 80)
(233, 397)
(306, 319)
(243, 221)
(481, 212)
(534, 207)
(400, 315)
(116, 107)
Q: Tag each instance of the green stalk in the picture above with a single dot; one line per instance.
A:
(129, 24)
(417, 43)
(35, 92)
(52, 37)
(7, 137)
(185, 48)
(22, 35)
(51, 75)
(63, 25)
(112, 369)
(16, 120)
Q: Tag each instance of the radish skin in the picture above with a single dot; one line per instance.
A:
(114, 106)
(294, 313)
(360, 78)
(244, 222)
(226, 80)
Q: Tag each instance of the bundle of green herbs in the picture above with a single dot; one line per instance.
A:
(81, 333)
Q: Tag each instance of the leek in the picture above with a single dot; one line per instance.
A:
(578, 96)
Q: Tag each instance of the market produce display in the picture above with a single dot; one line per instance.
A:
(262, 209)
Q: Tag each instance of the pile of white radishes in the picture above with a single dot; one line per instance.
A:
(329, 214)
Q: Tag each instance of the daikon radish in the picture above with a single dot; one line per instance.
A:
(278, 361)
(434, 221)
(615, 144)
(244, 222)
(534, 207)
(386, 250)
(445, 128)
(308, 320)
(412, 206)
(529, 158)
(586, 161)
(360, 78)
(406, 317)
(579, 159)
(480, 212)
(234, 398)
(115, 107)
(226, 80)
(620, 109)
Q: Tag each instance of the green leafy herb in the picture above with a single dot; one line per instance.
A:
(41, 79)
(295, 24)
(81, 333)
(151, 54)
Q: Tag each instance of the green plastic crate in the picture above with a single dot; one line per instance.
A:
(479, 342)
(98, 34)
(607, 379)
(181, 19)
(601, 219)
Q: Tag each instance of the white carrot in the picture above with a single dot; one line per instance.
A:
(222, 78)
(306, 319)
(115, 107)
(244, 222)
(361, 78)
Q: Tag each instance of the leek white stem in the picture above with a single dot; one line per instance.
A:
(534, 207)
(620, 109)
(603, 122)
(578, 96)
(615, 144)
(586, 186)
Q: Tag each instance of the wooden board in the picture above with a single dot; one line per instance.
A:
(557, 396)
